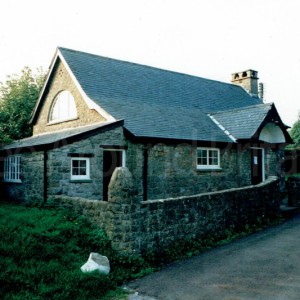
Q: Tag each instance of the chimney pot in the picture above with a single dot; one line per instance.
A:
(248, 80)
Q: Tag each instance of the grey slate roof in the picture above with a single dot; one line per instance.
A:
(161, 104)
(54, 137)
(243, 123)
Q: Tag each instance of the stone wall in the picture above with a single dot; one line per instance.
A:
(292, 161)
(32, 175)
(94, 210)
(59, 166)
(137, 227)
(58, 170)
(166, 220)
(172, 171)
(293, 191)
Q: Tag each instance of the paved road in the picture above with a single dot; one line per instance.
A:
(265, 265)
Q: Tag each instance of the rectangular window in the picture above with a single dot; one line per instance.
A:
(80, 168)
(208, 158)
(12, 169)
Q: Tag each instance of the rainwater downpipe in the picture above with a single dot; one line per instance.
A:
(145, 174)
(238, 165)
(45, 176)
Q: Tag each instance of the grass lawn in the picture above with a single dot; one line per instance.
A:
(296, 175)
(42, 250)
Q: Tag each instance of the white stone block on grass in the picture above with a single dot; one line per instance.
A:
(96, 262)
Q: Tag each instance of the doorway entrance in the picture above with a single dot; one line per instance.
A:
(257, 165)
(112, 159)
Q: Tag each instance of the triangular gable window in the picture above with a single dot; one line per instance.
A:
(63, 108)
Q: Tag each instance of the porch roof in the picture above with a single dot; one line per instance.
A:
(243, 123)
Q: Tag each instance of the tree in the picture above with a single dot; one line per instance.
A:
(295, 133)
(17, 100)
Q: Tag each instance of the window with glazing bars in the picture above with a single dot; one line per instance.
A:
(12, 169)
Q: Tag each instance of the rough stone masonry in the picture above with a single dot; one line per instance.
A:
(140, 226)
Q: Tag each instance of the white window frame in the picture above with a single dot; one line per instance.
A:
(88, 164)
(12, 169)
(65, 105)
(208, 166)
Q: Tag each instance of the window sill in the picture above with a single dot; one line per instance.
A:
(81, 180)
(209, 169)
(12, 181)
(61, 121)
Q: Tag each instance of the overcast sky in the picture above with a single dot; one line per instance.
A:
(206, 38)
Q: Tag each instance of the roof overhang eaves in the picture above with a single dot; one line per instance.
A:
(144, 139)
(59, 142)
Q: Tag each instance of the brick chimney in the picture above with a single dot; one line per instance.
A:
(248, 80)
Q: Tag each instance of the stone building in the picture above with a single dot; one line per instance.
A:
(177, 134)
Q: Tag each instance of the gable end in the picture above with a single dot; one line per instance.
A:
(61, 79)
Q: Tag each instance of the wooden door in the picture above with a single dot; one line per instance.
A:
(256, 165)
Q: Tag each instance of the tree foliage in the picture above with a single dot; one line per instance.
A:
(17, 100)
(295, 133)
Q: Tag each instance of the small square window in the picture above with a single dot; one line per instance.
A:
(208, 158)
(80, 168)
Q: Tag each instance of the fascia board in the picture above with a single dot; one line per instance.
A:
(44, 86)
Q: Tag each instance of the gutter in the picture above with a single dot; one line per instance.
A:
(145, 174)
(45, 176)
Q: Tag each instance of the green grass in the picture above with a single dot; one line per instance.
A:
(296, 175)
(42, 250)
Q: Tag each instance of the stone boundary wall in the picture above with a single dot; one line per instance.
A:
(138, 227)
(293, 190)
(94, 210)
(292, 162)
(165, 221)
